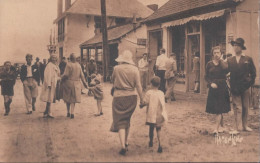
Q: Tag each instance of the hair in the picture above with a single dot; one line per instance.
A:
(28, 56)
(7, 62)
(216, 48)
(155, 81)
(72, 57)
(162, 50)
(197, 54)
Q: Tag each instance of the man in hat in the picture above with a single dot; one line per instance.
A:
(242, 77)
(28, 77)
(161, 68)
(143, 69)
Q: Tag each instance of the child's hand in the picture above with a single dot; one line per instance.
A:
(142, 104)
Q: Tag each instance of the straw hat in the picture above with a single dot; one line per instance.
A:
(126, 57)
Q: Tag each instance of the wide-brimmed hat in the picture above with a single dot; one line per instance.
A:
(240, 42)
(126, 57)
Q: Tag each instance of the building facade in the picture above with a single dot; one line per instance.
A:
(186, 27)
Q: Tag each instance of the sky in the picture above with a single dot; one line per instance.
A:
(25, 27)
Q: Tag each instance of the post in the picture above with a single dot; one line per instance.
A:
(202, 60)
(104, 36)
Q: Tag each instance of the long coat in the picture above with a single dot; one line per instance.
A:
(51, 76)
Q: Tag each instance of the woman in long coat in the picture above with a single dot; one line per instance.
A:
(71, 85)
(8, 77)
(126, 80)
(51, 76)
(218, 96)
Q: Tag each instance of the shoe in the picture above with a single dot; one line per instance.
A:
(68, 114)
(196, 91)
(97, 114)
(150, 144)
(6, 114)
(72, 116)
(101, 113)
(122, 152)
(50, 116)
(45, 114)
(247, 129)
(159, 149)
(29, 112)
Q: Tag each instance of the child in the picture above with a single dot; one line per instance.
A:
(97, 90)
(156, 113)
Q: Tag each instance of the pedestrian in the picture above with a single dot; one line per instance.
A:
(91, 69)
(97, 90)
(52, 75)
(8, 78)
(161, 68)
(218, 101)
(29, 76)
(170, 77)
(156, 114)
(71, 92)
(143, 69)
(125, 79)
(196, 70)
(242, 77)
(42, 68)
(62, 65)
(37, 72)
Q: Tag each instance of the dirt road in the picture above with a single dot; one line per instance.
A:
(186, 137)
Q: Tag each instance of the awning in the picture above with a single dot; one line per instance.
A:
(201, 17)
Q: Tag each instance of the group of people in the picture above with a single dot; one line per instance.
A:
(66, 82)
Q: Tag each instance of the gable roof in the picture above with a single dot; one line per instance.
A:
(173, 7)
(114, 8)
(113, 34)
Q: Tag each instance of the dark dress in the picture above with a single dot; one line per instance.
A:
(218, 99)
(8, 82)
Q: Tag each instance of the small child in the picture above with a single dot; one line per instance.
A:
(97, 90)
(91, 83)
(156, 113)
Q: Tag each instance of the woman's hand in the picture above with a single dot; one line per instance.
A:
(213, 85)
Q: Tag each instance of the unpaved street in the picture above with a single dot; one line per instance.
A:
(186, 137)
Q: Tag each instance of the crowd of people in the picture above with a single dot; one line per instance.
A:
(66, 81)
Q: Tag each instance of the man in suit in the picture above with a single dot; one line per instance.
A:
(242, 77)
(29, 76)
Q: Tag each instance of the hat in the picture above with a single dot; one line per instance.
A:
(28, 56)
(240, 42)
(126, 57)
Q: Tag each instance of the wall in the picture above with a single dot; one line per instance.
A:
(244, 23)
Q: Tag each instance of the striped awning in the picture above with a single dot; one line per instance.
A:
(201, 17)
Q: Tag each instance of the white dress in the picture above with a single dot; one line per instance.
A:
(156, 111)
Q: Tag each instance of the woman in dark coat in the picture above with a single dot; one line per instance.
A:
(8, 77)
(218, 97)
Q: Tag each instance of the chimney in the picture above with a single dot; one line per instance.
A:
(67, 4)
(153, 7)
(59, 8)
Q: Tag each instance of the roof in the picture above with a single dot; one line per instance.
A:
(114, 8)
(112, 34)
(173, 7)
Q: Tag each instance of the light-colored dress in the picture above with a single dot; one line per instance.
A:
(51, 76)
(156, 111)
(71, 86)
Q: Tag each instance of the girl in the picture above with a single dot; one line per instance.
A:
(97, 90)
(156, 113)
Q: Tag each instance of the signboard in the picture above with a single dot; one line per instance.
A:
(141, 41)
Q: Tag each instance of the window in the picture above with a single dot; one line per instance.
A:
(99, 55)
(61, 30)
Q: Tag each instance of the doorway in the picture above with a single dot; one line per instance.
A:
(155, 44)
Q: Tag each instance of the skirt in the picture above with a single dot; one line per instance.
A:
(218, 100)
(122, 109)
(197, 75)
(71, 91)
(7, 87)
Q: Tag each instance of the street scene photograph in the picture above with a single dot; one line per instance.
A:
(129, 81)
